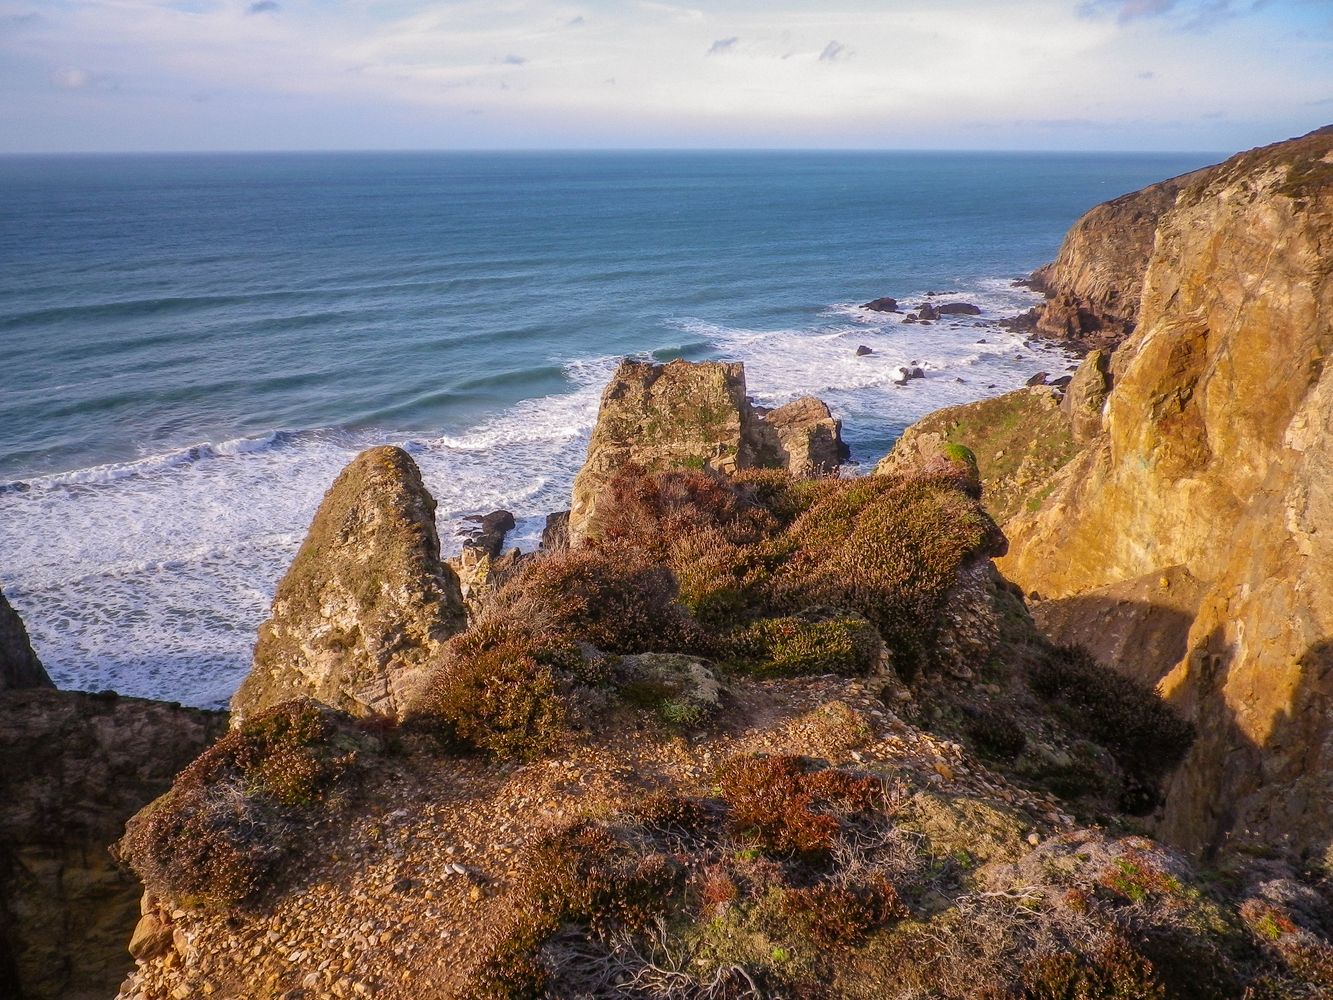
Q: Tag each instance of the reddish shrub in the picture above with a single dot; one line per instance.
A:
(787, 807)
(835, 915)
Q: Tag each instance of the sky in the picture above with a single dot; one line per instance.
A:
(160, 75)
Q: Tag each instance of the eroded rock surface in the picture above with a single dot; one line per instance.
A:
(19, 666)
(1094, 285)
(697, 416)
(73, 768)
(1019, 441)
(366, 602)
(1215, 455)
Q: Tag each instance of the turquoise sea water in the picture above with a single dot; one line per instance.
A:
(192, 346)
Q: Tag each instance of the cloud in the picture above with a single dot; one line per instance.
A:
(72, 78)
(512, 60)
(1147, 74)
(834, 51)
(263, 7)
(1199, 15)
(722, 46)
(574, 22)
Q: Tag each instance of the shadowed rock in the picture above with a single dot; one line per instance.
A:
(74, 768)
(366, 601)
(19, 666)
(1213, 453)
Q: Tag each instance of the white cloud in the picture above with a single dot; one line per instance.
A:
(538, 67)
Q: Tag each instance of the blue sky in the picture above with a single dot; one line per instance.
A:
(1215, 75)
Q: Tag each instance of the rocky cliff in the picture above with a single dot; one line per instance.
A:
(697, 416)
(1094, 285)
(366, 601)
(73, 768)
(19, 666)
(1197, 512)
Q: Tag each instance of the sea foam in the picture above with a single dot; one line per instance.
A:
(150, 577)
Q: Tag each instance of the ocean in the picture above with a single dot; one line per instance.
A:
(192, 346)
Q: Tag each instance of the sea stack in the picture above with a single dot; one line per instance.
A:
(366, 601)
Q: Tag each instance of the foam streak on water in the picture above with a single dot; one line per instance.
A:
(192, 347)
(150, 577)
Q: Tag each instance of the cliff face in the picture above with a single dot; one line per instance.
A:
(1214, 464)
(19, 666)
(366, 601)
(1093, 287)
(73, 768)
(687, 415)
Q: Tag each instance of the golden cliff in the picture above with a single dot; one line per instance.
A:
(1198, 514)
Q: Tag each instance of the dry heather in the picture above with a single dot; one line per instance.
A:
(709, 755)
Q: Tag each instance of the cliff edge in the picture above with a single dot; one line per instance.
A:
(1203, 497)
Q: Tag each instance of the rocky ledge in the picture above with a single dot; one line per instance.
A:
(1175, 528)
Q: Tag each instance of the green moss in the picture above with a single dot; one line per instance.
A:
(799, 646)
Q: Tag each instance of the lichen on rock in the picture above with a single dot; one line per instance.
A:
(366, 602)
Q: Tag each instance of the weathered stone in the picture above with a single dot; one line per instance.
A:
(696, 416)
(1086, 396)
(481, 567)
(802, 437)
(555, 533)
(862, 351)
(1216, 455)
(366, 602)
(1018, 440)
(1094, 284)
(151, 938)
(959, 309)
(19, 666)
(74, 768)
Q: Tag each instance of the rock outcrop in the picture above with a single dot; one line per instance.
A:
(803, 437)
(74, 768)
(1212, 461)
(483, 566)
(697, 416)
(1019, 441)
(366, 602)
(1094, 284)
(19, 666)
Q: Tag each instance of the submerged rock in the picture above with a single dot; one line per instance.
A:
(883, 304)
(959, 309)
(365, 603)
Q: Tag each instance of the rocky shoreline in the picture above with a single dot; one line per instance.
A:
(1040, 708)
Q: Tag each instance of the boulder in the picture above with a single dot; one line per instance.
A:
(884, 305)
(802, 437)
(687, 415)
(367, 601)
(862, 351)
(1038, 379)
(555, 533)
(481, 567)
(19, 666)
(1086, 395)
(959, 309)
(1214, 454)
(928, 312)
(75, 768)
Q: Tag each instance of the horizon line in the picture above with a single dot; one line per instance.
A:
(539, 150)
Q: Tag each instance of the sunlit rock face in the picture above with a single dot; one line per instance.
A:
(1214, 463)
